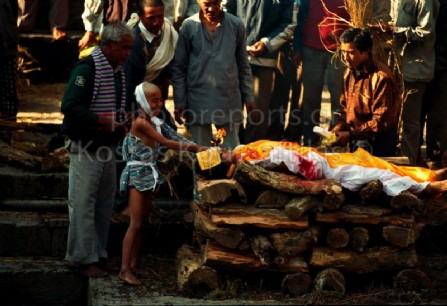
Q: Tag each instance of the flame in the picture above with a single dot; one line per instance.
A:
(220, 135)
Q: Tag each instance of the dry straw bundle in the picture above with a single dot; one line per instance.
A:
(374, 14)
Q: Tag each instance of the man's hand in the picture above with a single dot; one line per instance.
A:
(88, 38)
(256, 49)
(342, 139)
(296, 58)
(179, 113)
(252, 113)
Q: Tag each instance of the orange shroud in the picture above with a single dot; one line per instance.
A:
(260, 150)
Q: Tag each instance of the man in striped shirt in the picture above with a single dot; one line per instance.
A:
(94, 122)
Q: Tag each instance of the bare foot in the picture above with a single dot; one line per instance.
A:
(129, 278)
(59, 34)
(91, 270)
(441, 174)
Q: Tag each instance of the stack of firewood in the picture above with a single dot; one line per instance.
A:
(274, 221)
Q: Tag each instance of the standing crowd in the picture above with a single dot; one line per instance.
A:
(240, 65)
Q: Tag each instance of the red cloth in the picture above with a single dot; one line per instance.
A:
(322, 27)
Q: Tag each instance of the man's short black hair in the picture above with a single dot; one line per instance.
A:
(361, 37)
(149, 3)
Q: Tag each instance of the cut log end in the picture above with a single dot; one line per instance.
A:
(296, 284)
(330, 281)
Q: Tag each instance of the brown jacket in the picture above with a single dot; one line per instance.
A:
(370, 102)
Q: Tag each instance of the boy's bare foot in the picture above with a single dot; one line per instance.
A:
(91, 270)
(129, 278)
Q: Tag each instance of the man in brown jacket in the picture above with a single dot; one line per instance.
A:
(369, 102)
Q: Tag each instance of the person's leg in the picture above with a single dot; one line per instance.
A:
(58, 18)
(231, 139)
(263, 79)
(139, 208)
(27, 15)
(313, 69)
(9, 102)
(437, 114)
(411, 120)
(202, 134)
(293, 131)
(105, 196)
(280, 96)
(84, 180)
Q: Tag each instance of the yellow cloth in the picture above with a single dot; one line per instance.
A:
(260, 150)
(86, 51)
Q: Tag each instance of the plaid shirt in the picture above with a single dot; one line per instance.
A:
(370, 102)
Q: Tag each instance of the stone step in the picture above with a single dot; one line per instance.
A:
(40, 281)
(32, 230)
(29, 185)
(26, 233)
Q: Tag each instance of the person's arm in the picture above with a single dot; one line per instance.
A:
(286, 35)
(78, 94)
(244, 69)
(424, 27)
(385, 108)
(298, 33)
(180, 7)
(92, 19)
(78, 97)
(284, 21)
(178, 69)
(142, 126)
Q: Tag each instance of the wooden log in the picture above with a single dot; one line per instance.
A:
(58, 160)
(217, 256)
(358, 238)
(401, 236)
(375, 259)
(405, 201)
(337, 238)
(412, 280)
(367, 211)
(298, 206)
(30, 142)
(292, 243)
(272, 199)
(434, 266)
(11, 125)
(258, 217)
(334, 201)
(296, 284)
(330, 281)
(18, 158)
(255, 175)
(192, 274)
(331, 217)
(262, 248)
(296, 263)
(371, 192)
(229, 237)
(214, 192)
